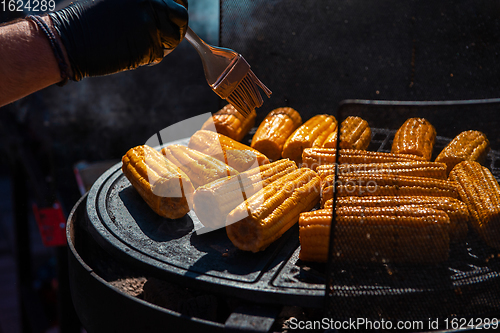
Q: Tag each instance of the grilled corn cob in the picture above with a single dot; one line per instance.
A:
(404, 234)
(269, 213)
(274, 130)
(355, 133)
(416, 136)
(314, 157)
(213, 201)
(416, 168)
(480, 191)
(356, 185)
(162, 185)
(455, 209)
(467, 146)
(200, 168)
(233, 153)
(229, 122)
(312, 133)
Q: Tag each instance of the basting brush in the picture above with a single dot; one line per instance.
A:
(229, 75)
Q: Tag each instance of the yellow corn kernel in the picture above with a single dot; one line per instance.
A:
(200, 168)
(415, 168)
(310, 134)
(314, 157)
(356, 185)
(235, 154)
(480, 191)
(467, 146)
(269, 213)
(416, 137)
(404, 234)
(162, 185)
(274, 130)
(455, 209)
(229, 122)
(355, 133)
(214, 201)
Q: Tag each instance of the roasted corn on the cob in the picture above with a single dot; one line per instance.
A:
(213, 202)
(415, 168)
(314, 157)
(480, 191)
(416, 136)
(274, 130)
(355, 133)
(162, 185)
(235, 154)
(466, 146)
(312, 133)
(229, 122)
(455, 209)
(200, 168)
(269, 213)
(360, 185)
(405, 234)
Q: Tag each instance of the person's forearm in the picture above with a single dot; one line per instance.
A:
(27, 62)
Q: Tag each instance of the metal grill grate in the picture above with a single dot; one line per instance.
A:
(464, 286)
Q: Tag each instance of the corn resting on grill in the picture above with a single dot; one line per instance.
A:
(416, 168)
(229, 122)
(235, 154)
(455, 209)
(312, 158)
(371, 185)
(274, 130)
(401, 234)
(480, 191)
(466, 146)
(214, 201)
(268, 214)
(355, 133)
(162, 185)
(312, 133)
(200, 168)
(416, 137)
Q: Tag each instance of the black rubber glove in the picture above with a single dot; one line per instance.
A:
(108, 36)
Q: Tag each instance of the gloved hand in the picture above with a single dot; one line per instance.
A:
(108, 36)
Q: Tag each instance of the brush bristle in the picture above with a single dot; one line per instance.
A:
(246, 96)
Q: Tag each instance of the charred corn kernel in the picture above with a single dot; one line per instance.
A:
(415, 168)
(235, 154)
(213, 201)
(455, 209)
(310, 134)
(229, 122)
(355, 133)
(480, 191)
(416, 136)
(162, 185)
(269, 213)
(274, 130)
(200, 168)
(405, 234)
(467, 146)
(360, 185)
(314, 157)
